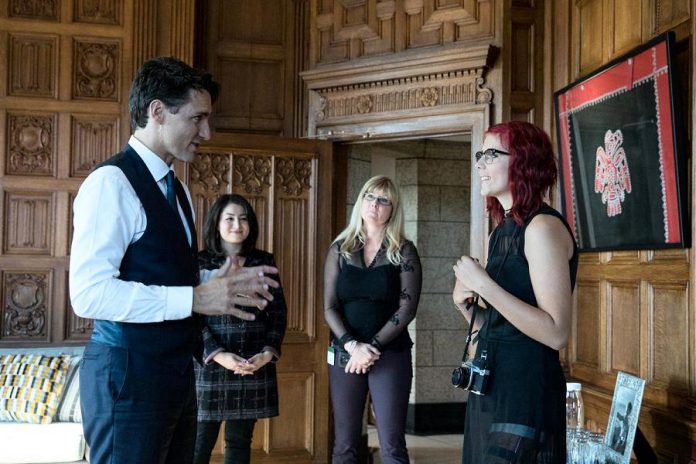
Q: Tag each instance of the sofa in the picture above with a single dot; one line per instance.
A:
(40, 420)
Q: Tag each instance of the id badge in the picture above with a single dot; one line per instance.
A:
(330, 356)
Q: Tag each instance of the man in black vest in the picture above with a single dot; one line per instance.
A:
(134, 270)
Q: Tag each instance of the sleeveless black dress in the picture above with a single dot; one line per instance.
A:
(521, 418)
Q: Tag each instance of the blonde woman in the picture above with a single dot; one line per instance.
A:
(372, 284)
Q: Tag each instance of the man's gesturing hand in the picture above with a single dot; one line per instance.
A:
(233, 286)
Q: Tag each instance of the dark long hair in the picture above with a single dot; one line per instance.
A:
(169, 80)
(211, 230)
(532, 172)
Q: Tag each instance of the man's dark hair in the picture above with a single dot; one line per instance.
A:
(211, 230)
(169, 80)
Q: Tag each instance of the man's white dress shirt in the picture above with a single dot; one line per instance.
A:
(108, 217)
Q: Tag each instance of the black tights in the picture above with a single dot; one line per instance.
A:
(238, 434)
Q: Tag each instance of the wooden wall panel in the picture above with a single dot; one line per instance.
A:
(588, 318)
(524, 60)
(670, 330)
(624, 326)
(66, 68)
(647, 313)
(293, 428)
(592, 32)
(626, 31)
(254, 50)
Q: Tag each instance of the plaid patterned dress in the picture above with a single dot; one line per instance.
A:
(223, 395)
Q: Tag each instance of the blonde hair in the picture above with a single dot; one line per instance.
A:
(353, 236)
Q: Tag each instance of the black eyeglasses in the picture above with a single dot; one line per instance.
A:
(371, 197)
(489, 155)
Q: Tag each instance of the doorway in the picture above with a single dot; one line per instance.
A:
(434, 178)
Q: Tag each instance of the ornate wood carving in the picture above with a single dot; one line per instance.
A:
(98, 11)
(209, 174)
(397, 95)
(252, 173)
(28, 223)
(426, 91)
(27, 297)
(351, 29)
(35, 9)
(94, 139)
(33, 65)
(96, 69)
(293, 176)
(30, 144)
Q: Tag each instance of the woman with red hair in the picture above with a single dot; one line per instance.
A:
(520, 304)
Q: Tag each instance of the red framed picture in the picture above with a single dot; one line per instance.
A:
(623, 176)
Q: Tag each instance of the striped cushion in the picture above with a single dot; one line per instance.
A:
(69, 407)
(31, 386)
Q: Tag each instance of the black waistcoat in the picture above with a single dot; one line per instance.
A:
(162, 256)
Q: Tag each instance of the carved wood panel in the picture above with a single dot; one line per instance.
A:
(96, 69)
(62, 77)
(345, 30)
(94, 139)
(28, 220)
(98, 11)
(33, 65)
(47, 10)
(27, 297)
(31, 144)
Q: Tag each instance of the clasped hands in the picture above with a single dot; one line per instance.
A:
(469, 275)
(234, 286)
(241, 366)
(362, 358)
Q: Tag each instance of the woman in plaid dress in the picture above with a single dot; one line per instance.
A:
(237, 381)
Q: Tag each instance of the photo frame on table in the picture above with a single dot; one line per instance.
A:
(623, 418)
(623, 171)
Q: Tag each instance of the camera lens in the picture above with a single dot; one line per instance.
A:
(461, 377)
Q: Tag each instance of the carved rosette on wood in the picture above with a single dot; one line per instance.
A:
(25, 304)
(30, 145)
(293, 176)
(96, 67)
(252, 174)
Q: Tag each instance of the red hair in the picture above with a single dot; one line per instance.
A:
(532, 172)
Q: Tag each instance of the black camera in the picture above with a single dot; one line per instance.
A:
(471, 377)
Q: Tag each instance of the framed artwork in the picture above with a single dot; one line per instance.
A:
(623, 175)
(623, 418)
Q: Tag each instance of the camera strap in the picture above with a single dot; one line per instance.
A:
(484, 326)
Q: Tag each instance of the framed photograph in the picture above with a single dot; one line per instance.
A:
(623, 418)
(623, 174)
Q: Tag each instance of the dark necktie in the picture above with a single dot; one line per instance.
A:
(171, 191)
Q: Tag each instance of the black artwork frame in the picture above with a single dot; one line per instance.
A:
(623, 172)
